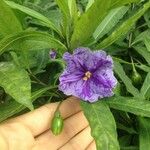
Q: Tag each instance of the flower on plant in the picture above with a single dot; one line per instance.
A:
(52, 54)
(88, 75)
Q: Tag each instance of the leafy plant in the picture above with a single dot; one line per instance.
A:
(29, 77)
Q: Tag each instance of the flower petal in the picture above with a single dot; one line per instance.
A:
(87, 93)
(73, 64)
(103, 83)
(71, 88)
(108, 77)
(66, 77)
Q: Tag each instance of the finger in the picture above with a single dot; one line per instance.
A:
(39, 120)
(72, 126)
(80, 141)
(92, 146)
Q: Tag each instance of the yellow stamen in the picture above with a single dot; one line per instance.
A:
(87, 76)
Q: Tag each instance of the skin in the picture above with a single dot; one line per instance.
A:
(31, 130)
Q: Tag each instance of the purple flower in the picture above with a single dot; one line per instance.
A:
(88, 75)
(52, 54)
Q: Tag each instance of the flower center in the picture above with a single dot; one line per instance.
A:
(87, 75)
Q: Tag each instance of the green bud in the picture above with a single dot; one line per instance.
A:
(57, 123)
(136, 77)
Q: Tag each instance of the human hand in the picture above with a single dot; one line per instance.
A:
(31, 131)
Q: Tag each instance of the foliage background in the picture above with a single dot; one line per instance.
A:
(29, 29)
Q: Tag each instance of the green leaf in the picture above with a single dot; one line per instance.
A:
(8, 21)
(141, 37)
(146, 86)
(143, 67)
(86, 25)
(32, 40)
(130, 148)
(16, 83)
(89, 4)
(66, 9)
(53, 74)
(144, 135)
(126, 80)
(125, 140)
(147, 43)
(117, 3)
(124, 27)
(146, 18)
(9, 109)
(130, 130)
(143, 52)
(35, 59)
(129, 104)
(69, 21)
(109, 22)
(41, 59)
(34, 14)
(73, 9)
(102, 123)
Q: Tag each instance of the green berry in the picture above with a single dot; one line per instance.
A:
(136, 77)
(57, 123)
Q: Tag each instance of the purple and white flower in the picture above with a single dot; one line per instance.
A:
(52, 54)
(88, 75)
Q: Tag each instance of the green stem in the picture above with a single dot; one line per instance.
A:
(57, 109)
(130, 39)
(122, 61)
(134, 70)
(38, 81)
(143, 25)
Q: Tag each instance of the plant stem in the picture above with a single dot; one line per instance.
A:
(134, 70)
(57, 109)
(38, 81)
(130, 39)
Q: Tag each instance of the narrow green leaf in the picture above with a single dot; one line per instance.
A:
(32, 40)
(117, 3)
(147, 43)
(144, 137)
(130, 130)
(89, 4)
(73, 10)
(86, 25)
(143, 67)
(8, 22)
(146, 18)
(124, 27)
(9, 109)
(102, 123)
(34, 14)
(129, 104)
(69, 18)
(126, 80)
(16, 83)
(109, 21)
(64, 7)
(141, 37)
(66, 24)
(146, 86)
(143, 52)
